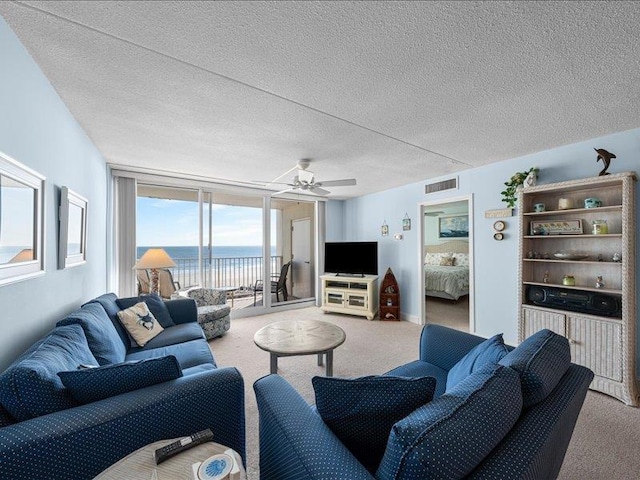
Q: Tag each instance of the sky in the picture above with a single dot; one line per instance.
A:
(171, 223)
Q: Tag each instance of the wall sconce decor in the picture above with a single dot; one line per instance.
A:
(499, 226)
(406, 222)
(385, 228)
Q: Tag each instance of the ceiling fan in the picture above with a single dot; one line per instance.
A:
(305, 180)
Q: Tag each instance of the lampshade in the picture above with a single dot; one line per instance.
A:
(24, 255)
(154, 258)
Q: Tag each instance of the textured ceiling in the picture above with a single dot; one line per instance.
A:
(387, 92)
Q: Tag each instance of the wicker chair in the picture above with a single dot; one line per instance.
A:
(213, 311)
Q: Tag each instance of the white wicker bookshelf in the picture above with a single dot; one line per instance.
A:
(604, 343)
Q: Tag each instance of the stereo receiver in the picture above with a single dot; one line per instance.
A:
(582, 301)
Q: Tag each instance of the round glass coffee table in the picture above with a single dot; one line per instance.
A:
(300, 337)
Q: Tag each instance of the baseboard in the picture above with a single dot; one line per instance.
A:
(410, 318)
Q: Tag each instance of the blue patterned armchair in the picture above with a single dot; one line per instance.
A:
(213, 311)
(511, 419)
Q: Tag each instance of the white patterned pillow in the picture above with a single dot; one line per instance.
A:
(140, 323)
(434, 258)
(461, 259)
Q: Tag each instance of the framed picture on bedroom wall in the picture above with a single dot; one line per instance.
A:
(453, 226)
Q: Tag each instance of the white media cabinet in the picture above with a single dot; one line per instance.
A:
(351, 295)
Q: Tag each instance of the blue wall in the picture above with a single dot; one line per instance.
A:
(496, 263)
(37, 130)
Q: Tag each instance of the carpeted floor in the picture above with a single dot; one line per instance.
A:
(605, 444)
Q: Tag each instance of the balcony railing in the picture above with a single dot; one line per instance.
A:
(240, 272)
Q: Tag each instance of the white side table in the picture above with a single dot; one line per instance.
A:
(141, 464)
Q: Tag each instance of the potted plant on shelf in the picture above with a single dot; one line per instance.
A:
(509, 194)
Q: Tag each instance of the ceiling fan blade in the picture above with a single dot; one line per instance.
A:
(284, 191)
(268, 182)
(338, 183)
(318, 191)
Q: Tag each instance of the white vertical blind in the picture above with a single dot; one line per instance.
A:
(124, 221)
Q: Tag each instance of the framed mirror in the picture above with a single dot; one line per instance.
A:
(21, 221)
(72, 245)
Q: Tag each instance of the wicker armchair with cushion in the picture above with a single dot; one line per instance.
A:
(213, 311)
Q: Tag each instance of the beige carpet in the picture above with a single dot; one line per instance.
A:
(605, 444)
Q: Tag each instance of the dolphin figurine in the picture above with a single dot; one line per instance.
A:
(606, 159)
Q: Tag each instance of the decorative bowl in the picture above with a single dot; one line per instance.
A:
(571, 255)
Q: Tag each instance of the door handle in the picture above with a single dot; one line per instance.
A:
(308, 263)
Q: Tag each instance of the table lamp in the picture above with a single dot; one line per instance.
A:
(153, 259)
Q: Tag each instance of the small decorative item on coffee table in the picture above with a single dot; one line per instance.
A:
(141, 464)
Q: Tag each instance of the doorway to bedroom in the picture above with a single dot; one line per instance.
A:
(446, 261)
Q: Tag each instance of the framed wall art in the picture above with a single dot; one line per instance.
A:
(453, 226)
(72, 245)
(557, 227)
(22, 206)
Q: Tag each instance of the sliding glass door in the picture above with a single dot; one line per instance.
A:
(259, 250)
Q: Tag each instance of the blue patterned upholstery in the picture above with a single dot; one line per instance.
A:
(295, 444)
(213, 311)
(80, 442)
(450, 436)
(88, 385)
(418, 368)
(30, 387)
(108, 301)
(535, 447)
(102, 337)
(189, 354)
(542, 359)
(5, 417)
(177, 334)
(475, 418)
(158, 309)
(361, 411)
(488, 352)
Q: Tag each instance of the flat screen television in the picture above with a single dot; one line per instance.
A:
(351, 258)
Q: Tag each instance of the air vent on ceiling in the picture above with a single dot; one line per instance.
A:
(450, 184)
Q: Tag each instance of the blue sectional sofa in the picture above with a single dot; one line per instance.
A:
(507, 420)
(168, 388)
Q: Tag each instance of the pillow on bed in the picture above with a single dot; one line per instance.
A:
(446, 262)
(461, 259)
(435, 258)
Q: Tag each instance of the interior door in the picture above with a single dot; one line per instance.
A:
(301, 252)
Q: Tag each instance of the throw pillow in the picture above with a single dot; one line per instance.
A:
(450, 436)
(159, 309)
(490, 351)
(541, 360)
(461, 259)
(88, 385)
(30, 387)
(446, 261)
(140, 323)
(102, 337)
(361, 411)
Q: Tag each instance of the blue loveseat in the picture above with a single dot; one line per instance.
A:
(47, 432)
(507, 420)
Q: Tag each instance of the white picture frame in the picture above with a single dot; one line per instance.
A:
(22, 221)
(72, 241)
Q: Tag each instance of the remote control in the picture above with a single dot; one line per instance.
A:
(183, 444)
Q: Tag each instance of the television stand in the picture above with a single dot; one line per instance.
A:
(353, 295)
